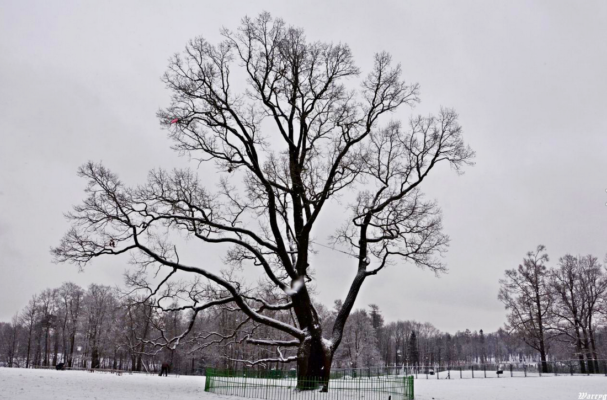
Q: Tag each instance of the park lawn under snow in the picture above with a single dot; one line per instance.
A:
(38, 384)
(545, 388)
(76, 385)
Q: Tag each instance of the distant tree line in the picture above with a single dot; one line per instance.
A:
(554, 313)
(560, 309)
(93, 328)
(101, 327)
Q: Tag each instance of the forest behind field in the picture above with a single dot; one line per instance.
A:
(108, 327)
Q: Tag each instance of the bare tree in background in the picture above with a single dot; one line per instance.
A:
(593, 289)
(359, 347)
(48, 315)
(71, 296)
(569, 307)
(9, 342)
(296, 137)
(526, 294)
(28, 319)
(98, 304)
(138, 318)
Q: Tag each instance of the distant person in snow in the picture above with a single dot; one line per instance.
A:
(164, 369)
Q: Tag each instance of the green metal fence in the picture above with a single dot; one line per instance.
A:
(270, 385)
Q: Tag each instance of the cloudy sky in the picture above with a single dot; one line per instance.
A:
(80, 81)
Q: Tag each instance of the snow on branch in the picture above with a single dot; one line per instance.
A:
(280, 359)
(271, 342)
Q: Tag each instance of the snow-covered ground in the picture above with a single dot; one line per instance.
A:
(30, 384)
(545, 388)
(38, 384)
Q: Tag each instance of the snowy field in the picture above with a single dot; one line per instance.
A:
(38, 384)
(545, 388)
(76, 385)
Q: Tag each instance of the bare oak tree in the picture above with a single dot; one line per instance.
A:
(297, 136)
(527, 296)
(593, 287)
(570, 308)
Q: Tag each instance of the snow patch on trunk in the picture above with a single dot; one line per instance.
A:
(295, 287)
(327, 344)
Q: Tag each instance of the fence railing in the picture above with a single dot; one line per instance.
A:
(270, 385)
(508, 370)
(104, 370)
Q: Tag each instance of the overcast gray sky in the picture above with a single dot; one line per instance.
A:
(80, 81)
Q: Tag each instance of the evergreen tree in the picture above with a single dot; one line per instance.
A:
(483, 351)
(377, 320)
(413, 350)
(449, 349)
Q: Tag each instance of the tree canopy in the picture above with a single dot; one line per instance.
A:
(299, 134)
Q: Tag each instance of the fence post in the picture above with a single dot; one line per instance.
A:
(472, 368)
(207, 380)
(525, 369)
(460, 372)
(539, 369)
(511, 374)
(555, 373)
(411, 389)
(485, 370)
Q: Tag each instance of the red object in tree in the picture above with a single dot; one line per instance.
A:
(175, 120)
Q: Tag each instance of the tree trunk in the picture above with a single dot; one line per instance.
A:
(55, 348)
(586, 344)
(71, 352)
(38, 351)
(543, 357)
(13, 346)
(578, 348)
(95, 357)
(29, 347)
(138, 363)
(541, 329)
(595, 355)
(46, 345)
(313, 365)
